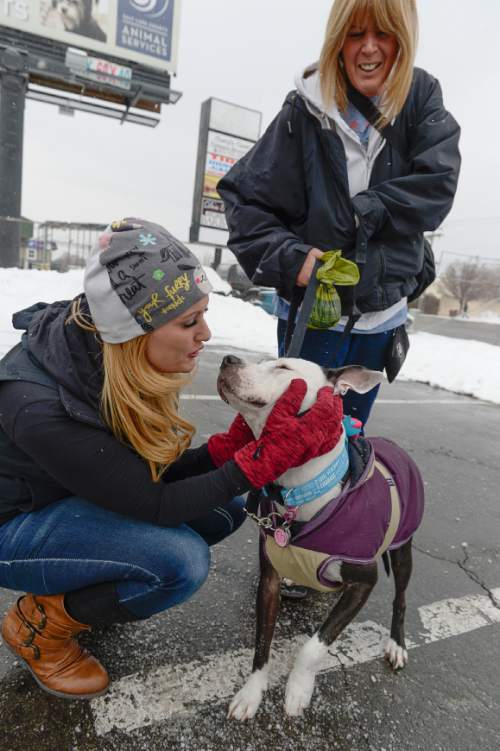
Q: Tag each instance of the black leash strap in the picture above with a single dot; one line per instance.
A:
(295, 332)
(369, 110)
(297, 297)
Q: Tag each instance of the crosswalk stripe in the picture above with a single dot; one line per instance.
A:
(173, 691)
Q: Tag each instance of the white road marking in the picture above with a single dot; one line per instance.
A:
(464, 400)
(138, 700)
(202, 397)
(458, 400)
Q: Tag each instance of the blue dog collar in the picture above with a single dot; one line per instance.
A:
(320, 484)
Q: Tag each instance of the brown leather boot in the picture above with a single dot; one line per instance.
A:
(40, 631)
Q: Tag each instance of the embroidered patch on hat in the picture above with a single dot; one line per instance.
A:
(148, 239)
(104, 240)
(121, 225)
(201, 281)
(158, 275)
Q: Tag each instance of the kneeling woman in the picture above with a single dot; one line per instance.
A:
(106, 515)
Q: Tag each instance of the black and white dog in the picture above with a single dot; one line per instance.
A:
(380, 501)
(76, 16)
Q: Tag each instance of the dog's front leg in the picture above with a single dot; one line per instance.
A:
(246, 702)
(311, 657)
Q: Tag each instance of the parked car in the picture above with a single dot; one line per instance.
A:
(240, 283)
(243, 288)
(267, 300)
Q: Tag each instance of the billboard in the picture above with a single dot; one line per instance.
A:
(227, 132)
(144, 31)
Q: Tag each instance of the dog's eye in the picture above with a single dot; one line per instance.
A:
(282, 367)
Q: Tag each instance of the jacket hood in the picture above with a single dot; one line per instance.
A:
(308, 85)
(71, 355)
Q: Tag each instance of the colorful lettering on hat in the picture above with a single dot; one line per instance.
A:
(180, 282)
(148, 239)
(152, 305)
(177, 301)
(158, 275)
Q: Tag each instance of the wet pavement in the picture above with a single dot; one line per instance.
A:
(457, 328)
(185, 664)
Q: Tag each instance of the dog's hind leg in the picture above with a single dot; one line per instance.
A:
(246, 702)
(358, 584)
(401, 562)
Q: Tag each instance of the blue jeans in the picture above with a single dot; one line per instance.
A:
(73, 544)
(357, 349)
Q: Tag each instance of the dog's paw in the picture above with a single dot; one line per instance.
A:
(396, 656)
(299, 690)
(247, 701)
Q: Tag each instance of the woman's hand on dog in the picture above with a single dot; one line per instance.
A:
(289, 439)
(222, 446)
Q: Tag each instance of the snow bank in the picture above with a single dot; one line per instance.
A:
(462, 366)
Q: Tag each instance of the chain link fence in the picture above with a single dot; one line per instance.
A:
(56, 245)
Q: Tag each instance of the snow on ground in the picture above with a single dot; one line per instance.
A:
(218, 284)
(459, 365)
(235, 323)
(488, 317)
(464, 366)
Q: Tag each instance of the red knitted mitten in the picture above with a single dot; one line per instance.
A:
(288, 439)
(222, 446)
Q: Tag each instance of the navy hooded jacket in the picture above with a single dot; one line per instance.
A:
(290, 193)
(54, 444)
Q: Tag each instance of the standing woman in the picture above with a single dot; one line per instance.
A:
(321, 178)
(106, 515)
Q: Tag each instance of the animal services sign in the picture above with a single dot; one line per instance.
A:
(143, 31)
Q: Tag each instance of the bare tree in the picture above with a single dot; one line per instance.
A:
(466, 281)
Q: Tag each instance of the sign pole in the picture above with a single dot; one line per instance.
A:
(13, 86)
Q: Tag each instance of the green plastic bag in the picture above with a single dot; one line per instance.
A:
(335, 270)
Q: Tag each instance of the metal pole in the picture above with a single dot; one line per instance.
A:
(13, 86)
(217, 257)
(45, 252)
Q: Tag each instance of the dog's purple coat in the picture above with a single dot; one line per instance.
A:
(352, 527)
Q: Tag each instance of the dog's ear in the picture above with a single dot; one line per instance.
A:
(354, 377)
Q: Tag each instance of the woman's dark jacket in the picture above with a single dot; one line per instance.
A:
(53, 443)
(290, 192)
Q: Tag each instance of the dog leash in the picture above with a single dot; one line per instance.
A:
(296, 327)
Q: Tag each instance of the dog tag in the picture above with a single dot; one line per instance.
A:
(282, 536)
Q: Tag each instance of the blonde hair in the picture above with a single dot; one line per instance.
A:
(139, 403)
(397, 17)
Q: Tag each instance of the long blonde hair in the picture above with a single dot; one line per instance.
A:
(139, 403)
(398, 17)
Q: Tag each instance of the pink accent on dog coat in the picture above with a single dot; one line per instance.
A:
(354, 526)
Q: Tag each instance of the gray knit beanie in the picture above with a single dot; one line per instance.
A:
(140, 277)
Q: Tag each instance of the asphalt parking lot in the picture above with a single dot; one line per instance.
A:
(173, 675)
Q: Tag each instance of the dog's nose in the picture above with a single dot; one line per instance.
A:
(231, 360)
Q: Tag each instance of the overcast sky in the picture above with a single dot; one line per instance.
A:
(89, 168)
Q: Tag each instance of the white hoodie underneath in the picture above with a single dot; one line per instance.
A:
(359, 168)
